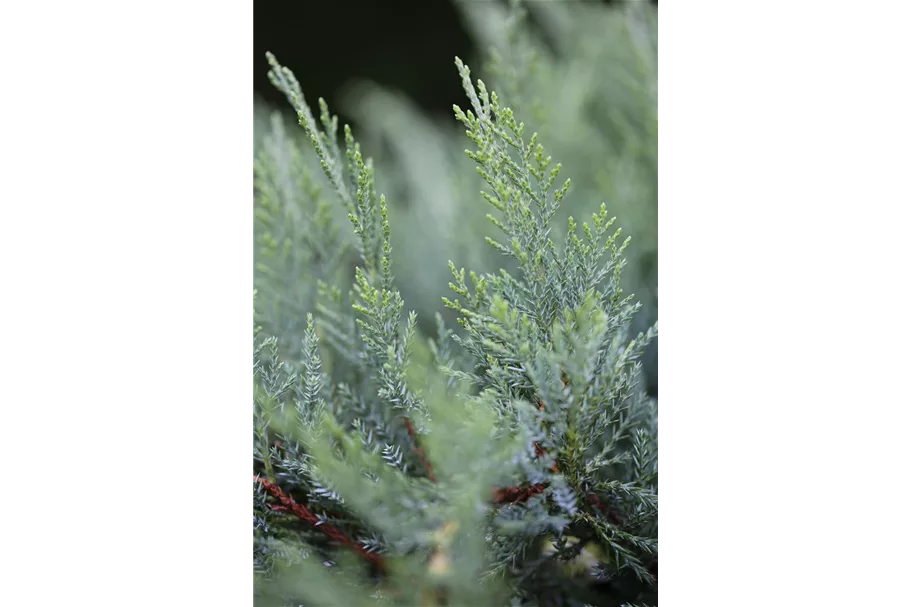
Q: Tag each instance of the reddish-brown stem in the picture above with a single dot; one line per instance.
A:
(514, 495)
(612, 515)
(420, 452)
(288, 504)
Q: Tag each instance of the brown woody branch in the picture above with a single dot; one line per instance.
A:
(288, 504)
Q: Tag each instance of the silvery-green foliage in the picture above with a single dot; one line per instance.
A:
(556, 332)
(296, 236)
(584, 76)
(399, 444)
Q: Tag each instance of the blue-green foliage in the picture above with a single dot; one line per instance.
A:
(398, 443)
(584, 76)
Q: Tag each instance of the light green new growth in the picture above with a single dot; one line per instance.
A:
(581, 75)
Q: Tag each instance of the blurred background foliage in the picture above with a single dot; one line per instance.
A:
(582, 74)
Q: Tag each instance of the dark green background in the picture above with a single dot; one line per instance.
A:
(402, 44)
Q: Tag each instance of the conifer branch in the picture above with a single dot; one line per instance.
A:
(302, 512)
(546, 431)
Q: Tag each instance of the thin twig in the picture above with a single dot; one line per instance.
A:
(420, 452)
(302, 512)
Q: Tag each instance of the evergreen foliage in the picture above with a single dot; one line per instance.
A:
(582, 75)
(511, 460)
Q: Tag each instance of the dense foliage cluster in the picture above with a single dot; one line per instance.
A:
(509, 460)
(582, 75)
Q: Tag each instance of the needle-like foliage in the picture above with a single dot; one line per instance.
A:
(511, 460)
